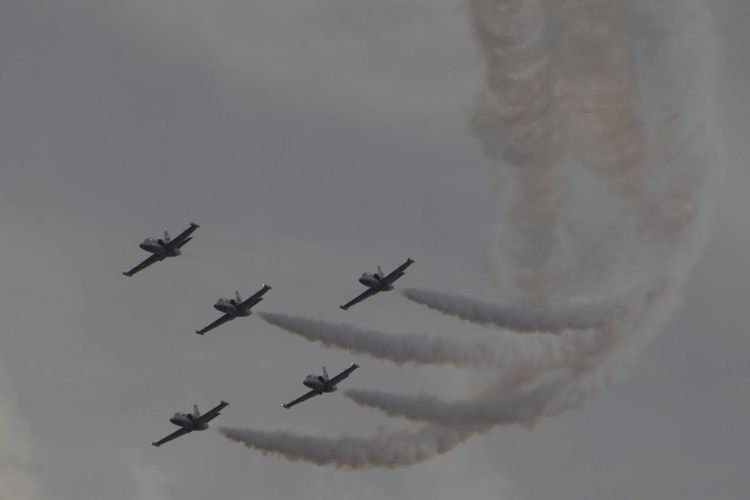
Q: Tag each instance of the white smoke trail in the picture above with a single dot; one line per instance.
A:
(519, 319)
(500, 353)
(400, 349)
(598, 90)
(516, 409)
(666, 234)
(596, 106)
(509, 400)
(516, 120)
(392, 450)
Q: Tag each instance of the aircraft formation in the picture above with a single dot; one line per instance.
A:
(162, 248)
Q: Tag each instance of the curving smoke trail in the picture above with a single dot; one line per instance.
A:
(511, 401)
(400, 349)
(517, 122)
(600, 117)
(519, 319)
(392, 450)
(520, 408)
(499, 353)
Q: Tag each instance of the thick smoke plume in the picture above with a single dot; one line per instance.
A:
(599, 116)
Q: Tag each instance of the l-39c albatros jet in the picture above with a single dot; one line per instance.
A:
(321, 384)
(189, 422)
(377, 282)
(234, 308)
(162, 248)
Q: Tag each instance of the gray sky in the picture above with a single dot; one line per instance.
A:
(279, 127)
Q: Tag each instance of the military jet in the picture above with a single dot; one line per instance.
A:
(234, 308)
(189, 422)
(377, 282)
(321, 384)
(162, 248)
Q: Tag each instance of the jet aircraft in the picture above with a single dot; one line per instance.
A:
(234, 308)
(377, 282)
(162, 248)
(321, 384)
(189, 422)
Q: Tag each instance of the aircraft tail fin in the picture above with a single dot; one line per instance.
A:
(237, 296)
(325, 373)
(380, 272)
(167, 239)
(196, 412)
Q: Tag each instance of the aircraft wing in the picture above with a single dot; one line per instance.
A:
(212, 413)
(179, 432)
(341, 376)
(302, 398)
(398, 272)
(218, 322)
(255, 298)
(359, 298)
(143, 265)
(183, 237)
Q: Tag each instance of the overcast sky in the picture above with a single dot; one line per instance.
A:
(311, 141)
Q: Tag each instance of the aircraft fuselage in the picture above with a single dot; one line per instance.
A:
(187, 421)
(158, 247)
(318, 383)
(230, 306)
(375, 281)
